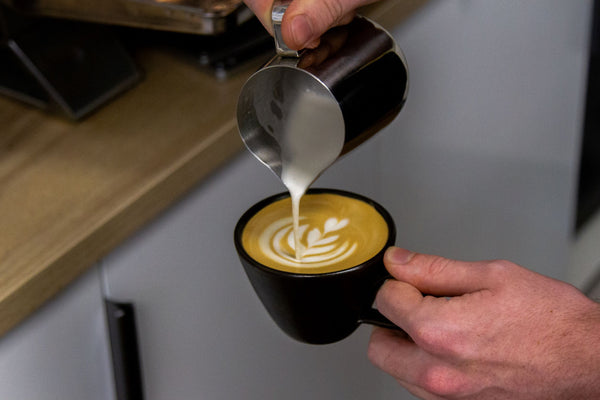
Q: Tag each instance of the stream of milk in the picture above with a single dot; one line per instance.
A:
(312, 140)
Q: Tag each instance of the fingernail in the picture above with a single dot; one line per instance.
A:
(301, 30)
(396, 255)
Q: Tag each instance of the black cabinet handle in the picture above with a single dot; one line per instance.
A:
(124, 348)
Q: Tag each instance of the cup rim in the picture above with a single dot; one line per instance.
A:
(240, 225)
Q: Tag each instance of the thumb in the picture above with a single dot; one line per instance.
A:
(440, 276)
(306, 20)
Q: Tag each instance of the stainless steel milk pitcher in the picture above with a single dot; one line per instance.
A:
(329, 99)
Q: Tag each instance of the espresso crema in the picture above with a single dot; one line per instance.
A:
(336, 232)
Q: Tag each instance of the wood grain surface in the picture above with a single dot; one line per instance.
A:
(70, 192)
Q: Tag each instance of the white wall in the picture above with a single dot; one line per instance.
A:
(482, 161)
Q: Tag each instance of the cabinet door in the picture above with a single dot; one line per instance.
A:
(61, 351)
(202, 331)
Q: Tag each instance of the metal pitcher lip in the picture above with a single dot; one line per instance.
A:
(262, 114)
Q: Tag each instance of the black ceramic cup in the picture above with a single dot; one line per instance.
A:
(318, 308)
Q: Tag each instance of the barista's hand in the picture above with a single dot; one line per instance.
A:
(494, 330)
(306, 20)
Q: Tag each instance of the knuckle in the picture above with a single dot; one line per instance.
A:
(442, 338)
(430, 337)
(335, 10)
(442, 381)
(384, 299)
(437, 265)
(500, 269)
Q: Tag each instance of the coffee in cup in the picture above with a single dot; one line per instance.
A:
(336, 232)
(326, 295)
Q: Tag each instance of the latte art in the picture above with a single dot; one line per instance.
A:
(319, 246)
(335, 233)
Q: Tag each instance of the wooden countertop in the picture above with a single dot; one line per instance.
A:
(70, 192)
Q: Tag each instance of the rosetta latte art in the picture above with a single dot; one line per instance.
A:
(336, 232)
(321, 246)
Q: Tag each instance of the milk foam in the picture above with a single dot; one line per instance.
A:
(323, 246)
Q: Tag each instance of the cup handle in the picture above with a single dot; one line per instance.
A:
(374, 317)
(279, 8)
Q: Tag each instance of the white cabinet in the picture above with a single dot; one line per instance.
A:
(60, 352)
(202, 331)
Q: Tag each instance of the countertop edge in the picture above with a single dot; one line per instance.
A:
(159, 195)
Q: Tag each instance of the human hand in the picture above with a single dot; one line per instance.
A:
(494, 331)
(306, 20)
